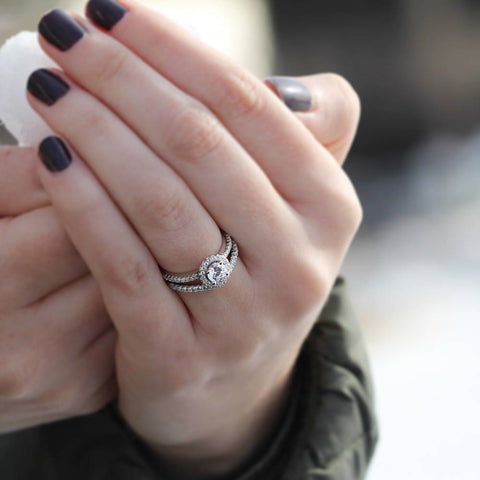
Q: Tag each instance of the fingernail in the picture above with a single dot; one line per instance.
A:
(295, 94)
(54, 154)
(105, 13)
(61, 30)
(46, 86)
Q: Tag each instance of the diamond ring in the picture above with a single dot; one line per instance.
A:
(213, 273)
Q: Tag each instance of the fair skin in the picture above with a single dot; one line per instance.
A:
(56, 338)
(202, 378)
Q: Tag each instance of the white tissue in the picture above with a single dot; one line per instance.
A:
(19, 57)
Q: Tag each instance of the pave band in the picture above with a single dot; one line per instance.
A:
(213, 273)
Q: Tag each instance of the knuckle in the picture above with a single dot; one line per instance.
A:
(313, 282)
(113, 64)
(167, 208)
(194, 133)
(348, 211)
(356, 213)
(130, 275)
(240, 95)
(93, 120)
(310, 288)
(342, 212)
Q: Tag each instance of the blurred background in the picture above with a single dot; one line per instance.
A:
(414, 269)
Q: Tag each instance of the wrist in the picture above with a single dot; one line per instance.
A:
(227, 450)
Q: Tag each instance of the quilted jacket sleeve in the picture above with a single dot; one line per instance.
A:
(328, 431)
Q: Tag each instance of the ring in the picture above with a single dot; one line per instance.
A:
(213, 273)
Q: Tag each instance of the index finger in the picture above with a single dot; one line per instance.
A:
(247, 108)
(20, 187)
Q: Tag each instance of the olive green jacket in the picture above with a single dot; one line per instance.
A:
(328, 432)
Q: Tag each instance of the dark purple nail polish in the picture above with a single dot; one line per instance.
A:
(295, 94)
(61, 30)
(105, 13)
(55, 154)
(46, 86)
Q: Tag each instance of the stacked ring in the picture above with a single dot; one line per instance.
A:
(213, 273)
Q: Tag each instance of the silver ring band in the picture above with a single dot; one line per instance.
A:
(213, 273)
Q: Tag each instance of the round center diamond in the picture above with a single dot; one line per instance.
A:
(218, 272)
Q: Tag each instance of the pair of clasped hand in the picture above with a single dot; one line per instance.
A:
(161, 144)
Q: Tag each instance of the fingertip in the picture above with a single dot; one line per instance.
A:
(47, 86)
(105, 13)
(59, 29)
(335, 113)
(295, 94)
(54, 154)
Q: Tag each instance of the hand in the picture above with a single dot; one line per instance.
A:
(56, 339)
(170, 144)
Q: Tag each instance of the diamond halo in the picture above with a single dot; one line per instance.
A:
(213, 273)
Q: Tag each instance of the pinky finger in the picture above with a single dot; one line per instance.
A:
(333, 111)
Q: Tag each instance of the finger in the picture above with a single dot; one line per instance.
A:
(71, 357)
(127, 274)
(182, 132)
(168, 217)
(249, 110)
(20, 189)
(36, 258)
(326, 104)
(88, 390)
(17, 416)
(74, 316)
(177, 228)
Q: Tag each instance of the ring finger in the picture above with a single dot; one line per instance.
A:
(174, 225)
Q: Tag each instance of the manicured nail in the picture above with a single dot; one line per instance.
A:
(54, 154)
(105, 13)
(61, 30)
(47, 86)
(295, 94)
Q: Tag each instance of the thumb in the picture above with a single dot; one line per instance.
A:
(326, 104)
